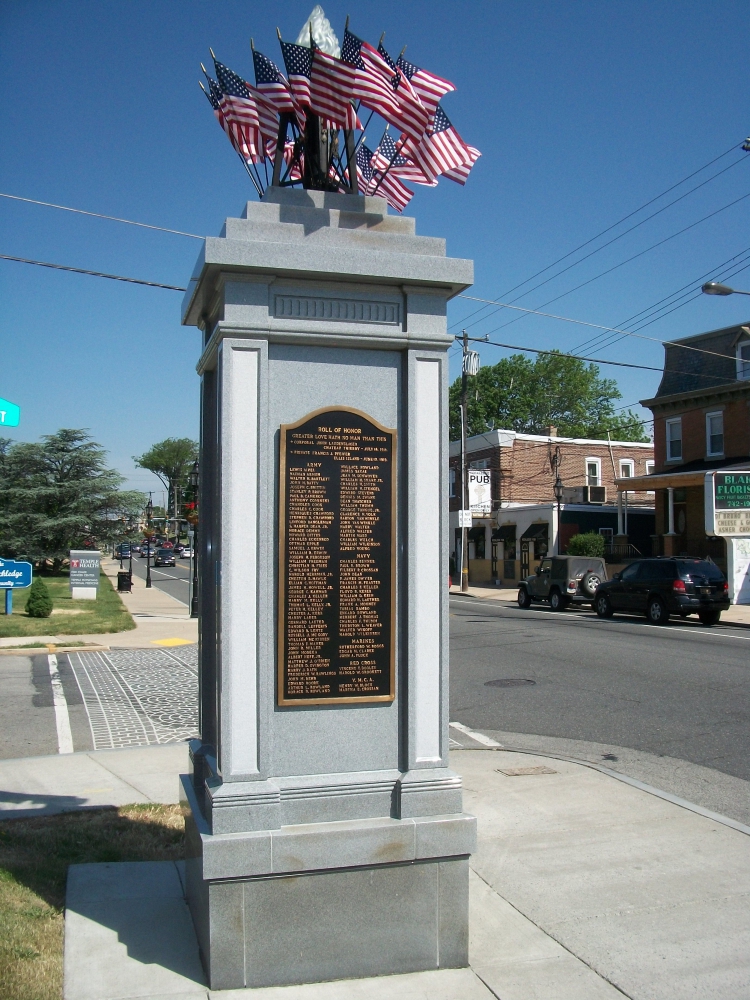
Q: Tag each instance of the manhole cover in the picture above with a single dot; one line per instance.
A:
(509, 682)
(515, 772)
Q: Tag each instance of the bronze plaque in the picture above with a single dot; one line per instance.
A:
(337, 560)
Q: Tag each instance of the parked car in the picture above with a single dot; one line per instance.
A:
(563, 580)
(662, 587)
(164, 557)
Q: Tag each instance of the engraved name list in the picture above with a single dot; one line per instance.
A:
(336, 553)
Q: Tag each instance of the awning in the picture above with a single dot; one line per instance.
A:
(676, 479)
(540, 530)
(475, 533)
(506, 532)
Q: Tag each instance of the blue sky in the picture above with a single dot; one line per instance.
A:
(583, 112)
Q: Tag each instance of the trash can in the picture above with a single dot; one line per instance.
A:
(124, 583)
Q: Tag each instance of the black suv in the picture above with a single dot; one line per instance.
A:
(563, 580)
(664, 586)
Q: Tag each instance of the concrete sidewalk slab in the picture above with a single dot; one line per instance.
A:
(651, 896)
(42, 786)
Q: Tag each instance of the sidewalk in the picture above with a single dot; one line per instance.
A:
(738, 614)
(158, 618)
(583, 887)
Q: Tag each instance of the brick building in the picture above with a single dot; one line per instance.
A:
(701, 423)
(524, 523)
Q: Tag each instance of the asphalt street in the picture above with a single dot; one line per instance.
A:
(571, 682)
(172, 580)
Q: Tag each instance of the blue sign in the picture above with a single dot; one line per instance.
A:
(10, 414)
(14, 574)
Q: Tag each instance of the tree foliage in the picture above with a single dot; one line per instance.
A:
(554, 390)
(58, 494)
(170, 460)
(39, 601)
(589, 543)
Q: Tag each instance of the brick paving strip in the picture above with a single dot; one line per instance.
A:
(138, 697)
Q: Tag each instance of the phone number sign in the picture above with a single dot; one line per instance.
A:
(728, 503)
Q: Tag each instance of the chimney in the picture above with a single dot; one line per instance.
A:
(552, 431)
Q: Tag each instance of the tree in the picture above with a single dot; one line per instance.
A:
(554, 390)
(58, 494)
(591, 543)
(39, 602)
(170, 460)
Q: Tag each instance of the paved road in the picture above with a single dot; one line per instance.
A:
(640, 697)
(174, 581)
(123, 698)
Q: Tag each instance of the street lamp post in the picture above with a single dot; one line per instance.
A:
(716, 288)
(149, 515)
(194, 480)
(558, 496)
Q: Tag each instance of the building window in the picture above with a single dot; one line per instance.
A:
(627, 468)
(607, 534)
(452, 483)
(743, 360)
(593, 472)
(481, 463)
(649, 468)
(715, 433)
(674, 439)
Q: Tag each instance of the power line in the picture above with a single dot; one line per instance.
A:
(628, 260)
(98, 215)
(600, 361)
(596, 326)
(95, 274)
(611, 227)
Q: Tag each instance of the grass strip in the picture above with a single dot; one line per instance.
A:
(34, 858)
(106, 614)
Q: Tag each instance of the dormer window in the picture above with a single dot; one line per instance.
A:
(743, 359)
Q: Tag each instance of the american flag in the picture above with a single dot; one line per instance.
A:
(233, 133)
(248, 118)
(429, 87)
(441, 149)
(273, 86)
(461, 174)
(298, 62)
(332, 89)
(395, 192)
(376, 86)
(388, 157)
(408, 100)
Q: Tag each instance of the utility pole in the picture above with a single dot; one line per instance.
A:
(464, 484)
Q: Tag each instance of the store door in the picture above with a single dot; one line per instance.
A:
(525, 558)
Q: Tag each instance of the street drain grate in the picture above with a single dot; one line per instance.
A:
(515, 772)
(509, 682)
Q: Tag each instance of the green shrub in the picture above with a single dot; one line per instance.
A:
(589, 544)
(39, 603)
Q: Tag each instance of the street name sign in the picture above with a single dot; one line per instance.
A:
(727, 503)
(14, 575)
(10, 414)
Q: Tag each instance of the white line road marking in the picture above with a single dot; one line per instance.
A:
(62, 719)
(477, 737)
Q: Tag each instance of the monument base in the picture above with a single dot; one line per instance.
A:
(322, 901)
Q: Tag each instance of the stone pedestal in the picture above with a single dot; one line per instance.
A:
(326, 839)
